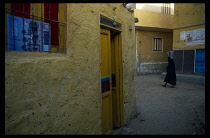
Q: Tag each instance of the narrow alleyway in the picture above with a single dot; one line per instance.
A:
(166, 111)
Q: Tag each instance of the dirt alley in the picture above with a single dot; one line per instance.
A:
(166, 111)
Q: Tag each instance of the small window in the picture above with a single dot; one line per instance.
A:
(157, 44)
(37, 27)
(166, 9)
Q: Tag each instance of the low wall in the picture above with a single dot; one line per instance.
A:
(151, 68)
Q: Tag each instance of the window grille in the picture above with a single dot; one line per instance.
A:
(165, 8)
(35, 27)
(157, 44)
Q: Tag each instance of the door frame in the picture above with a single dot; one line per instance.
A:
(119, 47)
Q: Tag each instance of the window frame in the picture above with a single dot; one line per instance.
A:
(61, 23)
(154, 48)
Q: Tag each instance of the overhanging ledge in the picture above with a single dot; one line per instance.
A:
(145, 28)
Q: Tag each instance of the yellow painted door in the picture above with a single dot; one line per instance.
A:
(115, 67)
(106, 87)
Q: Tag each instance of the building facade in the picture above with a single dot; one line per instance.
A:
(189, 37)
(69, 68)
(154, 36)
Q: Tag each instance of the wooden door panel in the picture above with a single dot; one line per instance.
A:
(106, 87)
(105, 53)
(106, 113)
(115, 81)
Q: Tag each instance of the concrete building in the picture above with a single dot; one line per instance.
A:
(189, 38)
(154, 36)
(69, 68)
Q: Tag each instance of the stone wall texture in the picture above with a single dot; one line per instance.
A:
(48, 93)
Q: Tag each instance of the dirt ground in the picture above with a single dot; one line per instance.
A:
(166, 111)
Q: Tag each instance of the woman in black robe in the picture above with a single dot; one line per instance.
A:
(171, 73)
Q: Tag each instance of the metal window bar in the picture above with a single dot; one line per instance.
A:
(165, 8)
(160, 45)
(23, 31)
(154, 44)
(168, 8)
(35, 16)
(157, 42)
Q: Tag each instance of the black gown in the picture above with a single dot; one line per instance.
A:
(171, 73)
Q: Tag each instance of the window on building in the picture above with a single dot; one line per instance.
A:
(157, 44)
(35, 27)
(166, 8)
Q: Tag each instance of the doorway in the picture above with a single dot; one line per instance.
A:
(111, 79)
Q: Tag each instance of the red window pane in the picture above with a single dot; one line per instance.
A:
(22, 7)
(51, 12)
